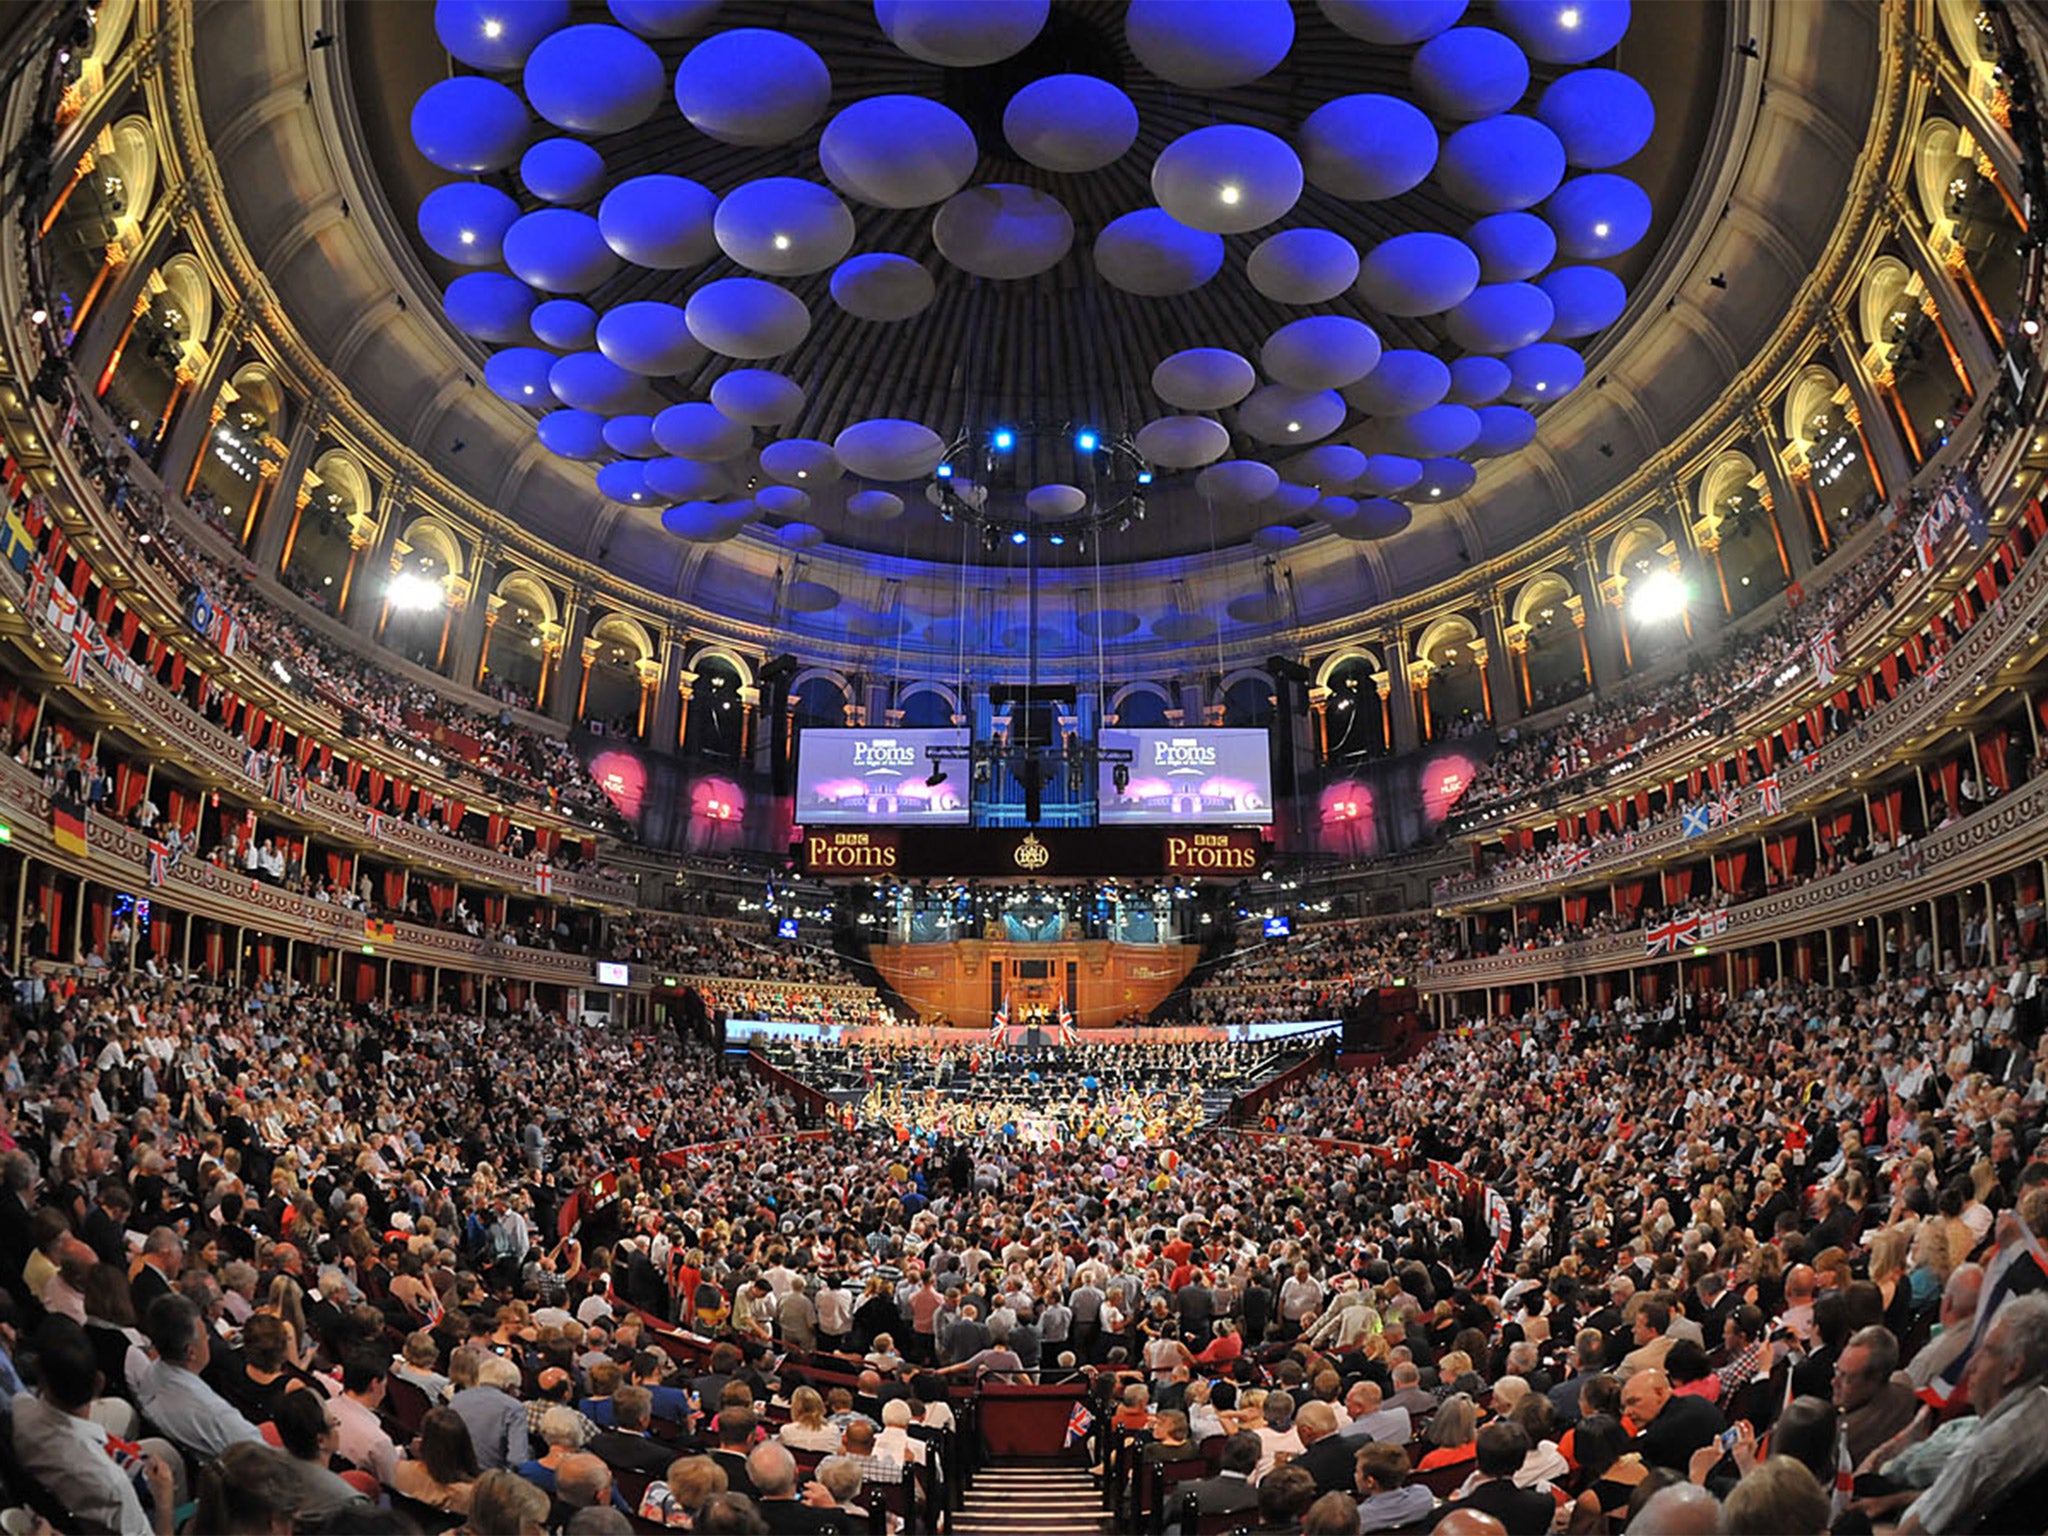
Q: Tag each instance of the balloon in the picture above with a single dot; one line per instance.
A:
(745, 317)
(758, 397)
(1420, 273)
(1469, 72)
(882, 286)
(572, 434)
(1602, 116)
(569, 324)
(1303, 266)
(1503, 163)
(1203, 379)
(1321, 352)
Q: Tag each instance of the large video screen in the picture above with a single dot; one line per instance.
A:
(851, 777)
(1188, 777)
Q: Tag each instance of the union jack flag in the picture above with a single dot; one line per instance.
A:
(1826, 655)
(2006, 1277)
(1727, 806)
(252, 763)
(1066, 1025)
(298, 795)
(1669, 937)
(1576, 859)
(373, 823)
(280, 781)
(1079, 1422)
(74, 663)
(1000, 1024)
(159, 861)
(1770, 794)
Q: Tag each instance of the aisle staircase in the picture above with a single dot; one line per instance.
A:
(1016, 1500)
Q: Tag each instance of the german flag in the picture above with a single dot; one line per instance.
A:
(67, 824)
(375, 930)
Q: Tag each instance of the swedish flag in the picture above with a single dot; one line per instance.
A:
(21, 544)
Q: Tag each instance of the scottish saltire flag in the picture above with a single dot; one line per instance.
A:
(1695, 821)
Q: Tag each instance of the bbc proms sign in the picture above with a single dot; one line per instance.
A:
(1042, 853)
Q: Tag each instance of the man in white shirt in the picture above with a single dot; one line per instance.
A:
(72, 1457)
(168, 1388)
(352, 1411)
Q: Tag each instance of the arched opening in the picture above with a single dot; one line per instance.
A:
(717, 728)
(246, 452)
(1817, 421)
(518, 645)
(1917, 378)
(612, 686)
(821, 701)
(1455, 692)
(418, 617)
(1248, 703)
(1355, 716)
(1552, 662)
(1651, 628)
(314, 561)
(1140, 706)
(925, 707)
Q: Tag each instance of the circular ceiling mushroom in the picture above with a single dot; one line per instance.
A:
(1420, 273)
(874, 506)
(559, 251)
(594, 79)
(561, 170)
(783, 226)
(752, 86)
(1071, 123)
(882, 286)
(1277, 414)
(660, 221)
(1203, 379)
(889, 449)
(1212, 46)
(1182, 442)
(1303, 266)
(748, 318)
(801, 461)
(757, 397)
(1153, 254)
(1368, 147)
(496, 35)
(1003, 231)
(898, 151)
(1227, 179)
(649, 338)
(962, 34)
(1321, 352)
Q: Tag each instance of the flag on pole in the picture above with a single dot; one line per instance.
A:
(1079, 1423)
(1000, 1024)
(1066, 1025)
(1827, 656)
(1771, 794)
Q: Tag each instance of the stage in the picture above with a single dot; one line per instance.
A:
(969, 980)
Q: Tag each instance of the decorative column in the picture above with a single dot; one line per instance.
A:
(1517, 637)
(668, 697)
(132, 259)
(1969, 352)
(649, 669)
(1319, 713)
(1496, 665)
(473, 641)
(185, 440)
(1603, 642)
(1795, 535)
(565, 692)
(1876, 430)
(280, 529)
(1418, 692)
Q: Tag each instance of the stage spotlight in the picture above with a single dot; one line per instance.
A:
(1144, 477)
(936, 777)
(1019, 537)
(1661, 596)
(1085, 440)
(1003, 440)
(945, 471)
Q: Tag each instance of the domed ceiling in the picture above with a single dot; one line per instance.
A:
(938, 278)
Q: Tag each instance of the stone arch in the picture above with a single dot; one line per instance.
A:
(1158, 691)
(1445, 634)
(134, 160)
(729, 657)
(1809, 397)
(1937, 153)
(1547, 590)
(928, 688)
(344, 482)
(185, 302)
(1337, 661)
(1642, 539)
(627, 634)
(523, 589)
(1727, 475)
(1882, 299)
(432, 539)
